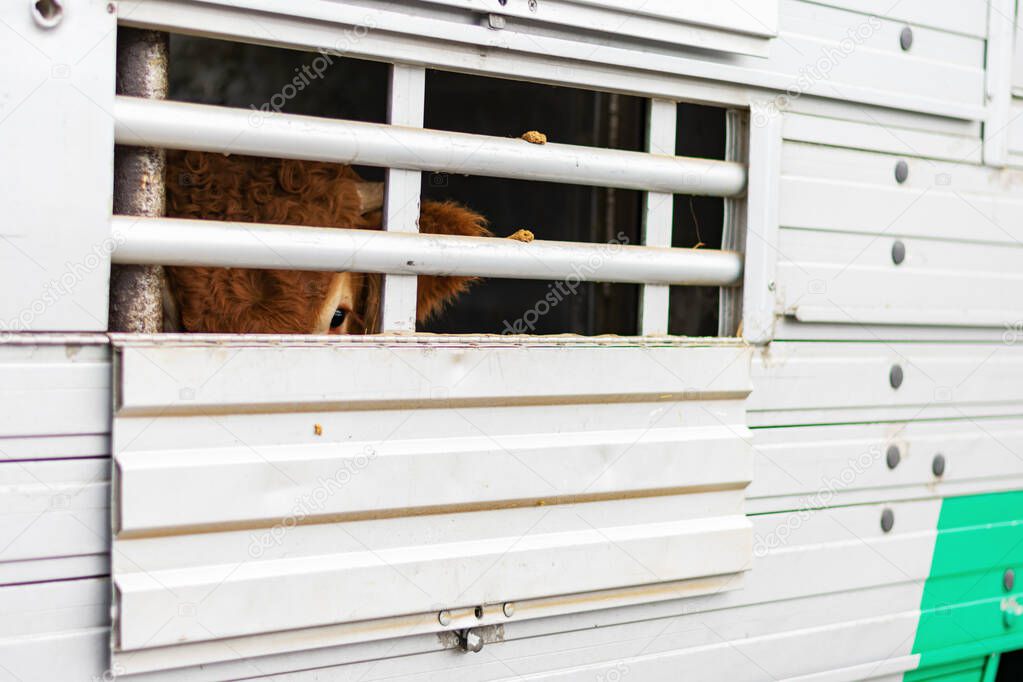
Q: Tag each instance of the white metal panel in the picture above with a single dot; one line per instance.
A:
(821, 574)
(822, 383)
(847, 190)
(346, 573)
(829, 277)
(50, 510)
(57, 568)
(883, 136)
(759, 285)
(55, 631)
(52, 607)
(998, 84)
(959, 225)
(74, 655)
(54, 447)
(189, 377)
(742, 26)
(55, 387)
(943, 74)
(550, 479)
(957, 16)
(1017, 60)
(1015, 133)
(54, 240)
(826, 466)
(519, 467)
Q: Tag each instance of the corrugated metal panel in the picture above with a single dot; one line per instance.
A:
(57, 391)
(50, 510)
(820, 579)
(821, 51)
(54, 444)
(376, 481)
(743, 26)
(842, 212)
(55, 631)
(824, 383)
(826, 466)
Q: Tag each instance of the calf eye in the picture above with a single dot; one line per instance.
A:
(339, 318)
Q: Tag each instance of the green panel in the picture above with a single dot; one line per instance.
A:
(962, 619)
(971, 670)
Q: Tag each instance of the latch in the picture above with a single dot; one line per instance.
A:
(1011, 611)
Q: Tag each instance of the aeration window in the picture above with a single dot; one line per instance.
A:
(297, 182)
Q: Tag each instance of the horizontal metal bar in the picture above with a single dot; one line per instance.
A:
(181, 125)
(169, 241)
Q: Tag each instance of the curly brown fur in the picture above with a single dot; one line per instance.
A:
(307, 193)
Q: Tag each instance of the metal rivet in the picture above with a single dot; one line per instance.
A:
(906, 38)
(898, 252)
(938, 465)
(47, 13)
(509, 609)
(472, 640)
(1009, 579)
(894, 456)
(901, 171)
(887, 520)
(111, 8)
(532, 5)
(444, 617)
(895, 376)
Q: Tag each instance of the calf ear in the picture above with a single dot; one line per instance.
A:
(446, 218)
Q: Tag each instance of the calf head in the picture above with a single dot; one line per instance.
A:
(305, 193)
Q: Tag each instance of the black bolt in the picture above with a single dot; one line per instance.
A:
(1009, 579)
(894, 456)
(905, 38)
(898, 252)
(887, 520)
(901, 172)
(895, 376)
(938, 465)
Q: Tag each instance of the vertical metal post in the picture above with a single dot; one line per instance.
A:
(658, 210)
(733, 237)
(136, 290)
(402, 196)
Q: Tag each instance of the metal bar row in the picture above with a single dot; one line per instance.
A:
(169, 241)
(180, 125)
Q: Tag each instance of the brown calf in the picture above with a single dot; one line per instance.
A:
(249, 189)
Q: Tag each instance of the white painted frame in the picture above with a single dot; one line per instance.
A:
(658, 212)
(406, 101)
(762, 201)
